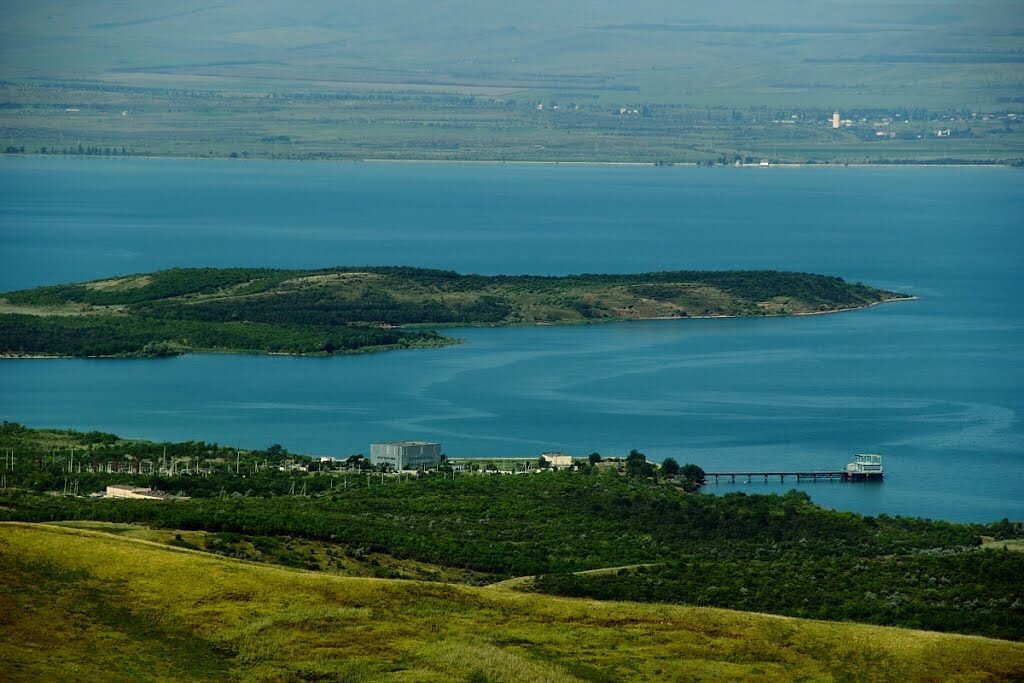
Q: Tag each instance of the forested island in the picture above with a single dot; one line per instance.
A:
(344, 309)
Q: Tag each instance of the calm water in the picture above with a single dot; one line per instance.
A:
(934, 384)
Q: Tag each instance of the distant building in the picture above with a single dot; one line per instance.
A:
(835, 119)
(556, 459)
(398, 455)
(135, 492)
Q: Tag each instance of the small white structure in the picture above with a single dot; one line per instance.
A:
(135, 492)
(556, 459)
(864, 466)
(835, 119)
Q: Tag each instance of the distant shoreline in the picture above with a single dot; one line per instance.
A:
(521, 162)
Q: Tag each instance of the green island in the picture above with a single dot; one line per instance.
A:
(344, 310)
(267, 565)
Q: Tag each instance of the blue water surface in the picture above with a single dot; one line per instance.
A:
(934, 384)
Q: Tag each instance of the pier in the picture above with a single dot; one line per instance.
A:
(841, 475)
(865, 467)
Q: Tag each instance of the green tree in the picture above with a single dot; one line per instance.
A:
(637, 465)
(669, 467)
(694, 473)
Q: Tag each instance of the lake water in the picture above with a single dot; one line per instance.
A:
(935, 385)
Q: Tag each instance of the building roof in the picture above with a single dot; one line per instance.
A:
(139, 491)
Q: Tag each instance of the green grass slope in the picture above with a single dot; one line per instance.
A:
(81, 605)
(349, 309)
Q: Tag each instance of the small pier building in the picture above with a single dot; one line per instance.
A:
(864, 467)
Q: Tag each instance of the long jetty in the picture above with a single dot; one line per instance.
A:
(800, 475)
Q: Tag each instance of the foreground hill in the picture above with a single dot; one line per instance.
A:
(778, 554)
(350, 309)
(84, 605)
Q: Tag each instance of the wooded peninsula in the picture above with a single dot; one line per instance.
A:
(353, 309)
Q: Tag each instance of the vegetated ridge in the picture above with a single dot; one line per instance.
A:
(85, 605)
(345, 309)
(759, 553)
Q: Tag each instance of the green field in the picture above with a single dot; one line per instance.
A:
(642, 82)
(83, 605)
(341, 310)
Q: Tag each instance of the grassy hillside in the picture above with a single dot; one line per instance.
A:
(347, 309)
(82, 605)
(778, 554)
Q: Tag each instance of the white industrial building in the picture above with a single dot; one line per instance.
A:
(399, 455)
(557, 459)
(135, 492)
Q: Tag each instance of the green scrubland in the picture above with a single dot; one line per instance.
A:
(778, 554)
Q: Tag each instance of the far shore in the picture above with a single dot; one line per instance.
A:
(535, 162)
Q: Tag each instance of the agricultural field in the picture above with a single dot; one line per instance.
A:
(87, 605)
(642, 83)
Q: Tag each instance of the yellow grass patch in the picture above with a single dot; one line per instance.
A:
(79, 604)
(1016, 545)
(119, 284)
(331, 277)
(69, 308)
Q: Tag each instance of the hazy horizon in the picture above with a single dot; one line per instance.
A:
(937, 52)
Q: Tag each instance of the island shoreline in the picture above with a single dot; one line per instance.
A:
(450, 341)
